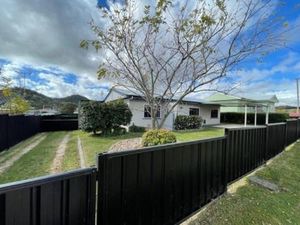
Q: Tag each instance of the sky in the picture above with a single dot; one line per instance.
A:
(39, 48)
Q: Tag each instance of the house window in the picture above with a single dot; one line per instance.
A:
(147, 112)
(194, 112)
(214, 113)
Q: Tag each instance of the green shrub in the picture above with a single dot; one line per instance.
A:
(261, 118)
(187, 122)
(158, 137)
(119, 131)
(136, 129)
(104, 117)
(89, 115)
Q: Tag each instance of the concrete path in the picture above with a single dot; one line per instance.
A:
(80, 153)
(8, 163)
(60, 152)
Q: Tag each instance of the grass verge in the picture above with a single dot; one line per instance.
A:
(35, 163)
(252, 204)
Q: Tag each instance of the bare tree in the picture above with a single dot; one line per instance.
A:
(170, 50)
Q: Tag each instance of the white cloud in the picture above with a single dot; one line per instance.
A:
(48, 33)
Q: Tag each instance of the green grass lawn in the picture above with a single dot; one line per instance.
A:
(94, 144)
(208, 132)
(252, 204)
(6, 155)
(35, 163)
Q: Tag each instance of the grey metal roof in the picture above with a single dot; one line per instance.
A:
(128, 93)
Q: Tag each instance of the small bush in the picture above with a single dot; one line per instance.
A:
(188, 122)
(158, 137)
(136, 129)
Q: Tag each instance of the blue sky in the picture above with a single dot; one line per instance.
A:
(40, 42)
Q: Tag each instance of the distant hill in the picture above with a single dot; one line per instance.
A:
(38, 100)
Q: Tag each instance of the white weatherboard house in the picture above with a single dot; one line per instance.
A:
(210, 112)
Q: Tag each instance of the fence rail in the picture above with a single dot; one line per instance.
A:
(64, 199)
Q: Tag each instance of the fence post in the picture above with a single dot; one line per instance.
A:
(226, 163)
(267, 143)
(286, 132)
(7, 129)
(101, 195)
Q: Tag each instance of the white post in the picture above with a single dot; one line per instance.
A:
(267, 115)
(245, 117)
(255, 116)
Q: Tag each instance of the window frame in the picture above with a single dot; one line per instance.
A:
(212, 115)
(158, 113)
(194, 108)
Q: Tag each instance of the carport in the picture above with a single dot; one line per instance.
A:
(246, 104)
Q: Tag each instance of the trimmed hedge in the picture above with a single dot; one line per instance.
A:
(136, 129)
(158, 137)
(105, 117)
(187, 122)
(261, 118)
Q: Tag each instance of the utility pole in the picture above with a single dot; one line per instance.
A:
(297, 96)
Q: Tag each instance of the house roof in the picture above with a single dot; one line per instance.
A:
(135, 95)
(232, 101)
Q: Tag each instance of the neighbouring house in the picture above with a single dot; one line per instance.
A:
(230, 103)
(210, 112)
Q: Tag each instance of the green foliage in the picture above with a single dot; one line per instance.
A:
(104, 117)
(89, 115)
(187, 122)
(68, 108)
(136, 129)
(158, 137)
(261, 118)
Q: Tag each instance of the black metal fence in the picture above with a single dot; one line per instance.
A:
(165, 184)
(65, 199)
(160, 185)
(14, 129)
(58, 123)
(156, 186)
(245, 150)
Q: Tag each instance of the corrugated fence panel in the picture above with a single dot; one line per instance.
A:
(64, 199)
(245, 150)
(291, 131)
(3, 132)
(160, 185)
(58, 124)
(14, 129)
(276, 136)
